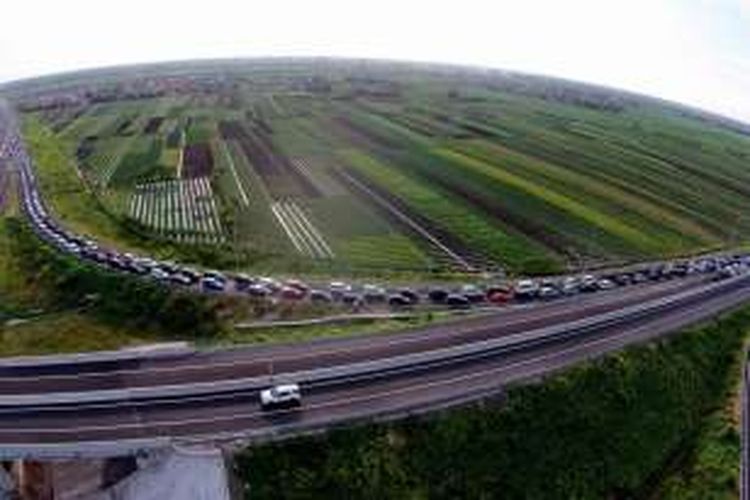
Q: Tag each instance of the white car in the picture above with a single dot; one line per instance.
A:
(526, 289)
(281, 396)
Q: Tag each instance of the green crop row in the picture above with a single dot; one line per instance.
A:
(449, 214)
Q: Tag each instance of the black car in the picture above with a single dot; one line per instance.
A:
(320, 296)
(257, 291)
(352, 299)
(680, 270)
(409, 295)
(623, 279)
(135, 268)
(655, 273)
(180, 279)
(242, 282)
(398, 300)
(458, 301)
(438, 295)
(474, 296)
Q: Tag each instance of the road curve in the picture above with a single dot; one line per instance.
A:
(85, 407)
(127, 423)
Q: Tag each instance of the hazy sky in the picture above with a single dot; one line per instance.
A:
(694, 51)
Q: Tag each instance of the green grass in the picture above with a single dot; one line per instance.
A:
(606, 197)
(33, 322)
(562, 202)
(72, 203)
(310, 332)
(67, 331)
(606, 429)
(140, 164)
(450, 214)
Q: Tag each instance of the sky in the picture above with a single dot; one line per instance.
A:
(692, 51)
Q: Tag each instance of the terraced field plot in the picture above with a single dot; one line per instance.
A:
(422, 170)
(184, 210)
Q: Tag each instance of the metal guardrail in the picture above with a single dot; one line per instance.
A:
(153, 351)
(396, 365)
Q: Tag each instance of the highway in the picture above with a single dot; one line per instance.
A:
(357, 391)
(83, 407)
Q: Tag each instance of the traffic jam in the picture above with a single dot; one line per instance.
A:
(352, 295)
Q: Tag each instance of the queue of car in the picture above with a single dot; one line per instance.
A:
(358, 295)
(457, 297)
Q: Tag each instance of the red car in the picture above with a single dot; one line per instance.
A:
(292, 293)
(499, 295)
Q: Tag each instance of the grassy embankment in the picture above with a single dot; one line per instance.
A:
(32, 323)
(616, 427)
(66, 305)
(81, 210)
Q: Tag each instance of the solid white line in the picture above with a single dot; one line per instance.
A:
(338, 402)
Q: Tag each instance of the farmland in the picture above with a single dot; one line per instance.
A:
(413, 169)
(184, 210)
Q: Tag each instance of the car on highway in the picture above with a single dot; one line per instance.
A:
(410, 295)
(291, 293)
(605, 284)
(320, 297)
(589, 283)
(398, 300)
(242, 281)
(622, 279)
(526, 289)
(269, 283)
(373, 293)
(298, 284)
(352, 299)
(159, 274)
(180, 279)
(570, 285)
(549, 292)
(338, 289)
(473, 293)
(499, 294)
(213, 275)
(281, 396)
(211, 284)
(258, 290)
(458, 301)
(438, 295)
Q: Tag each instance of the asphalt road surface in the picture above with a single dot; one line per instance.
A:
(43, 427)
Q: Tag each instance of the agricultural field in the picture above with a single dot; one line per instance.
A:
(385, 167)
(183, 210)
